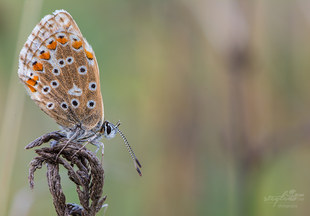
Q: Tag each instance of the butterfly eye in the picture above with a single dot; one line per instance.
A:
(109, 129)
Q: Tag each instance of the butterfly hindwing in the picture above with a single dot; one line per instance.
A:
(60, 71)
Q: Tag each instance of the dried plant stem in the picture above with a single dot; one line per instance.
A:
(84, 170)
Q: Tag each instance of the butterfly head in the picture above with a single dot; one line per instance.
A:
(109, 130)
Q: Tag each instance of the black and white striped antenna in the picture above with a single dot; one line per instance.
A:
(132, 154)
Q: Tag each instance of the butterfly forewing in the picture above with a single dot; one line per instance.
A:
(59, 69)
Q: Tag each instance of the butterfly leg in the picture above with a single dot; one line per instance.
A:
(93, 141)
(80, 148)
(75, 135)
(99, 144)
(102, 151)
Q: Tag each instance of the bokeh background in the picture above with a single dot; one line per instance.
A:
(214, 97)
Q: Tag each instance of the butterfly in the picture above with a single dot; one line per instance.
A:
(59, 69)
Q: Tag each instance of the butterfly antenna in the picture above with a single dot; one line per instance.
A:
(132, 154)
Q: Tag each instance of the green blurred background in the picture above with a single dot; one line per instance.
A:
(214, 97)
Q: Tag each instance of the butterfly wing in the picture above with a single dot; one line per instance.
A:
(60, 72)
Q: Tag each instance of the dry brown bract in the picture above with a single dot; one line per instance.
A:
(84, 169)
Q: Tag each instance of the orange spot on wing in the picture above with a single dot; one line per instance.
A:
(31, 82)
(38, 66)
(45, 55)
(77, 44)
(31, 88)
(52, 45)
(62, 40)
(35, 78)
(89, 55)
